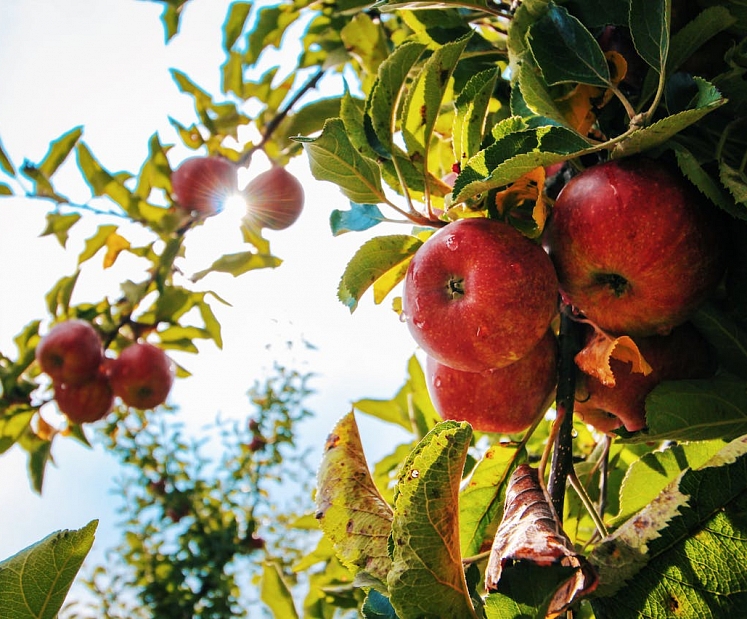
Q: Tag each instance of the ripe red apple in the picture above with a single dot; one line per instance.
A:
(274, 199)
(506, 399)
(683, 354)
(636, 247)
(201, 184)
(142, 375)
(71, 352)
(86, 402)
(479, 295)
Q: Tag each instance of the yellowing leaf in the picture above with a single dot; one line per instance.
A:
(594, 358)
(115, 244)
(526, 190)
(350, 510)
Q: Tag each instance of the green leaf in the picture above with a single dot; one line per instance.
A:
(5, 190)
(350, 509)
(234, 24)
(58, 298)
(239, 263)
(565, 51)
(427, 575)
(102, 183)
(96, 242)
(707, 24)
(647, 477)
(333, 158)
(212, 325)
(734, 180)
(13, 423)
(481, 498)
(383, 102)
(360, 217)
(685, 550)
(377, 606)
(172, 10)
(726, 336)
(424, 96)
(366, 41)
(471, 113)
(707, 100)
(59, 225)
(696, 410)
(371, 261)
(58, 151)
(649, 28)
(35, 582)
(274, 592)
(5, 163)
(268, 29)
(155, 172)
(527, 589)
(410, 408)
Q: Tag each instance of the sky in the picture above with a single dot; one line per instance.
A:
(104, 66)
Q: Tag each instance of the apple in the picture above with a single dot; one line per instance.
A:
(200, 185)
(479, 295)
(506, 399)
(274, 199)
(142, 375)
(636, 247)
(71, 352)
(85, 402)
(683, 354)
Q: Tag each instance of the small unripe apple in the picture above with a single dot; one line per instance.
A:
(71, 352)
(201, 184)
(506, 399)
(683, 354)
(86, 402)
(274, 199)
(142, 375)
(479, 295)
(636, 247)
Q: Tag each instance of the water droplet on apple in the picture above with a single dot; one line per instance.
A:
(437, 382)
(452, 242)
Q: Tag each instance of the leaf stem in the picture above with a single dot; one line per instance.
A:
(588, 504)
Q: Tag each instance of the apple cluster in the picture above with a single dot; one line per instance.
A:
(630, 247)
(201, 185)
(86, 382)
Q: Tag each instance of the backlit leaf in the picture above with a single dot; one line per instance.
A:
(35, 582)
(59, 225)
(350, 509)
(5, 163)
(115, 245)
(59, 150)
(427, 575)
(13, 423)
(275, 593)
(239, 263)
(234, 24)
(375, 258)
(471, 112)
(58, 298)
(96, 242)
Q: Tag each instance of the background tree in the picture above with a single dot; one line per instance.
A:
(454, 112)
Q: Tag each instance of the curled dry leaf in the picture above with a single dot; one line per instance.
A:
(594, 358)
(527, 189)
(531, 532)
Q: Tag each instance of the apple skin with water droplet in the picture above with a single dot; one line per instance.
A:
(142, 375)
(71, 352)
(505, 400)
(478, 295)
(200, 185)
(636, 247)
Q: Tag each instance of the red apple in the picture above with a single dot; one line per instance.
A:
(683, 354)
(274, 199)
(506, 399)
(86, 402)
(71, 352)
(636, 247)
(479, 295)
(201, 184)
(142, 375)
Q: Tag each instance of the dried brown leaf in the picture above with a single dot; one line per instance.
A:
(594, 358)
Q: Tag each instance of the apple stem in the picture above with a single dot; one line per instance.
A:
(569, 340)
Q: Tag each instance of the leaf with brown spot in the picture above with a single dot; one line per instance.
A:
(531, 534)
(350, 509)
(594, 358)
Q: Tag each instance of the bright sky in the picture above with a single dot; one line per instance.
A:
(104, 65)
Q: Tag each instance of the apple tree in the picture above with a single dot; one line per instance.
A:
(568, 173)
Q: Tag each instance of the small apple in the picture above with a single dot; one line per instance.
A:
(479, 295)
(683, 354)
(201, 184)
(71, 352)
(142, 375)
(85, 402)
(274, 199)
(506, 399)
(636, 247)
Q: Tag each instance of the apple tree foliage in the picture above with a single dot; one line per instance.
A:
(450, 109)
